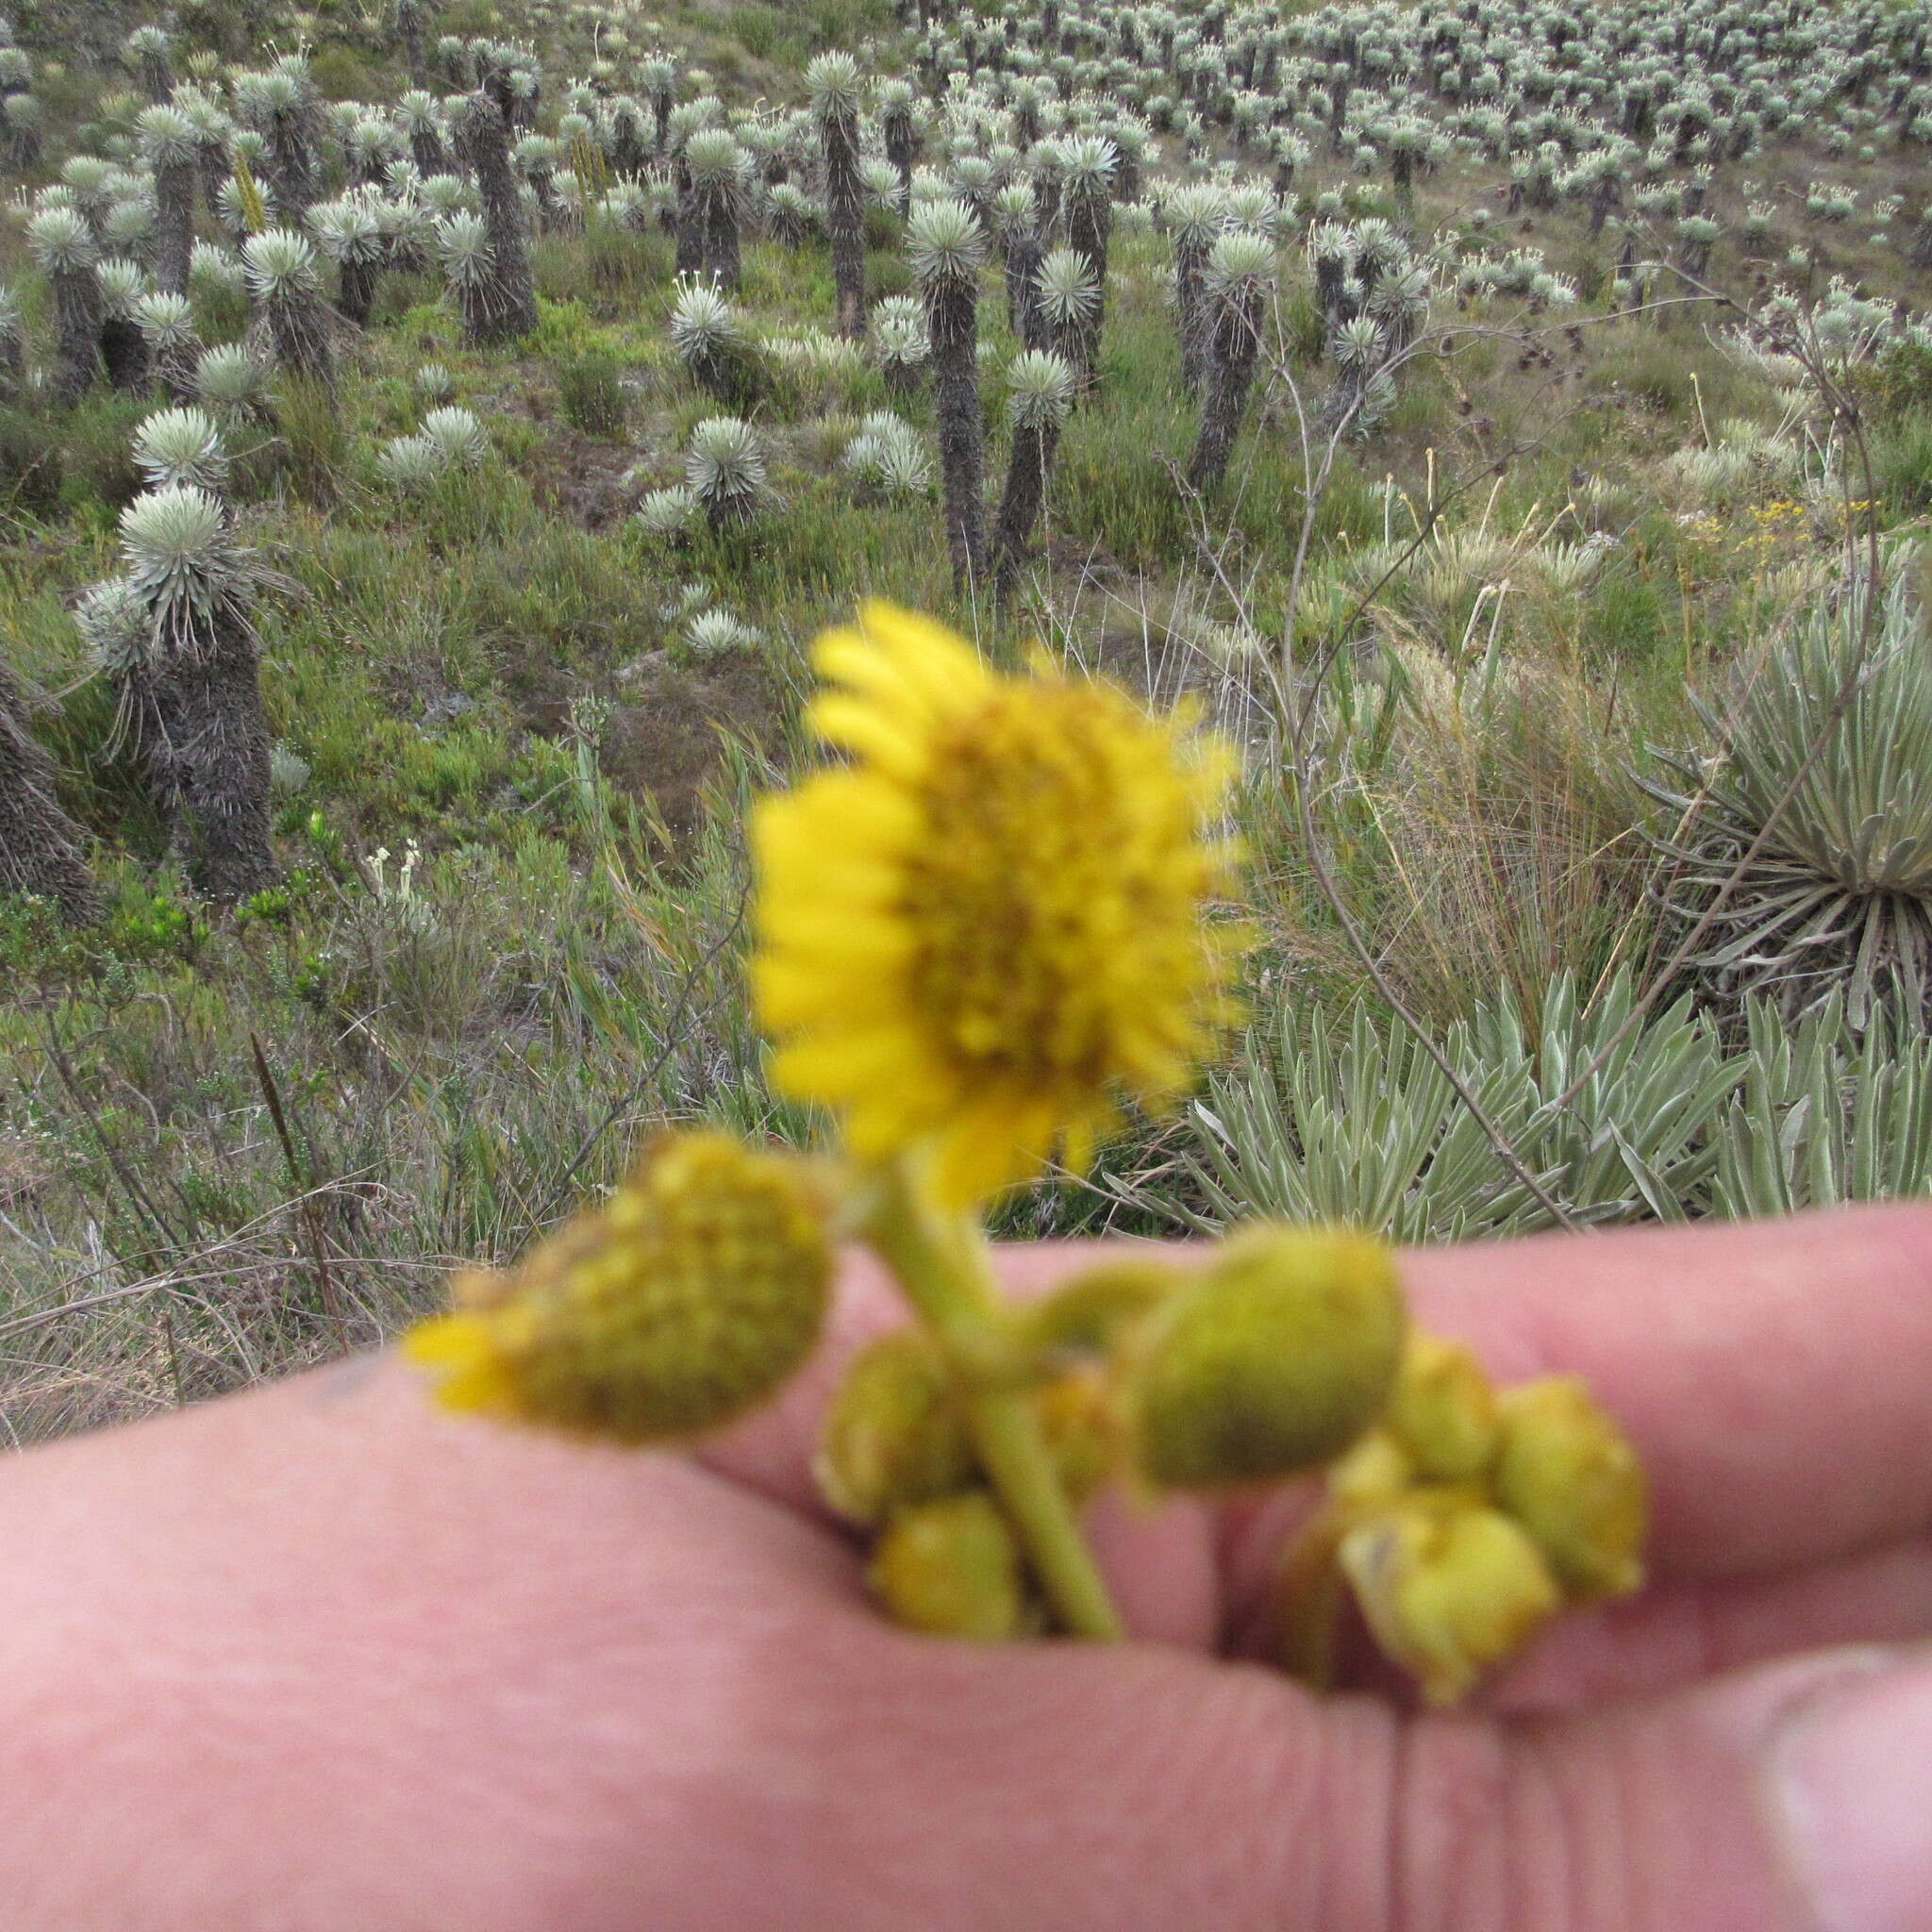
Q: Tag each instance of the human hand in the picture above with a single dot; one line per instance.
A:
(320, 1657)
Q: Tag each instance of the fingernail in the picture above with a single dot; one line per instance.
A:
(1852, 1775)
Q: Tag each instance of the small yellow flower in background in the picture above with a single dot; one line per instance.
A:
(979, 935)
(684, 1300)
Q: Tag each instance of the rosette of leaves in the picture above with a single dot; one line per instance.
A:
(790, 215)
(90, 182)
(411, 464)
(1065, 301)
(889, 459)
(1237, 283)
(499, 297)
(900, 343)
(291, 319)
(946, 247)
(245, 203)
(369, 144)
(172, 145)
(667, 515)
(177, 639)
(61, 242)
(145, 53)
(718, 200)
(229, 380)
(880, 181)
(420, 114)
(166, 322)
(181, 445)
(1015, 217)
(1196, 219)
(462, 251)
(712, 344)
(725, 472)
(42, 852)
(22, 120)
(1802, 837)
(459, 435)
(833, 83)
(349, 233)
(1826, 1113)
(1040, 387)
(123, 351)
(719, 634)
(1346, 1118)
(445, 195)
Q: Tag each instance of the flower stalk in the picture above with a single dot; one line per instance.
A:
(940, 1261)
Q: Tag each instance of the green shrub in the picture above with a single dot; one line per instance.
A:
(591, 391)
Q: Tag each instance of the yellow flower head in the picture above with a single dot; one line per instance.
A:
(685, 1299)
(985, 929)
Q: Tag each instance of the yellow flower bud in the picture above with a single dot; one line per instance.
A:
(1077, 1415)
(1449, 1589)
(952, 1569)
(1276, 1357)
(1444, 1411)
(1570, 1476)
(684, 1300)
(894, 1437)
(1375, 1470)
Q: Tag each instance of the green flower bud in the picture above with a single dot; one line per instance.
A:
(1445, 1411)
(1570, 1476)
(1449, 1589)
(894, 1438)
(952, 1569)
(1088, 1310)
(686, 1298)
(1273, 1360)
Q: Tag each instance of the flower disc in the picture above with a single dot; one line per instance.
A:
(989, 925)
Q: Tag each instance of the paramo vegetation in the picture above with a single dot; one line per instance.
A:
(430, 443)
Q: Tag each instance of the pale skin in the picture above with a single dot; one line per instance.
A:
(320, 1657)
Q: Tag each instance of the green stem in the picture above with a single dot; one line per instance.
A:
(942, 1263)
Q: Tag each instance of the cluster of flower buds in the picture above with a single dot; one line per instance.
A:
(1463, 1519)
(1468, 1519)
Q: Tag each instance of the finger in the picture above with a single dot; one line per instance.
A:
(518, 1683)
(1678, 1634)
(1776, 1378)
(1144, 1789)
